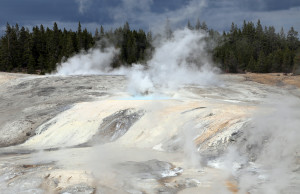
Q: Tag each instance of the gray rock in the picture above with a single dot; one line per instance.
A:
(116, 125)
(79, 189)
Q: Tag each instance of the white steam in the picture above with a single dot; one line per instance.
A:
(183, 59)
(273, 143)
(92, 62)
(192, 156)
(179, 60)
(83, 5)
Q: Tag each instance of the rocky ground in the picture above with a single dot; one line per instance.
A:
(87, 134)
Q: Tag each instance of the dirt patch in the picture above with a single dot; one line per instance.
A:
(274, 79)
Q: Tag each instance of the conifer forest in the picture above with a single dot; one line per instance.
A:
(249, 48)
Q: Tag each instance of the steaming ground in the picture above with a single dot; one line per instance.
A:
(89, 134)
(173, 127)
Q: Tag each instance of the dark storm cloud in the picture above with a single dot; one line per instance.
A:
(13, 11)
(220, 13)
(148, 13)
(65, 12)
(269, 5)
(256, 5)
(18, 10)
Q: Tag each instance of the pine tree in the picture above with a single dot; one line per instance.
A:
(79, 37)
(1, 56)
(97, 35)
(70, 46)
(31, 64)
(261, 63)
(7, 49)
(132, 51)
(277, 61)
(101, 32)
(259, 30)
(296, 68)
(189, 25)
(27, 42)
(282, 34)
(198, 24)
(168, 30)
(251, 65)
(233, 33)
(41, 64)
(292, 39)
(287, 62)
(232, 63)
(204, 26)
(85, 40)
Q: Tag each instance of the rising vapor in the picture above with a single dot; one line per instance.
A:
(265, 159)
(174, 60)
(83, 5)
(93, 62)
(183, 59)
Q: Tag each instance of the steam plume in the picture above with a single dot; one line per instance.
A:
(181, 59)
(270, 151)
(83, 5)
(94, 62)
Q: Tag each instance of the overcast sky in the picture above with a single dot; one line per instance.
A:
(149, 14)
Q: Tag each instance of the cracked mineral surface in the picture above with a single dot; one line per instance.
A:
(87, 134)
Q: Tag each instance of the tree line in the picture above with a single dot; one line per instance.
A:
(252, 48)
(255, 48)
(40, 50)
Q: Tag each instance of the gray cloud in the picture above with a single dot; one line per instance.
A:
(143, 16)
(149, 14)
(270, 5)
(144, 5)
(218, 14)
(220, 18)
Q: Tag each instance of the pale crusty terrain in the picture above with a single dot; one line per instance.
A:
(88, 134)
